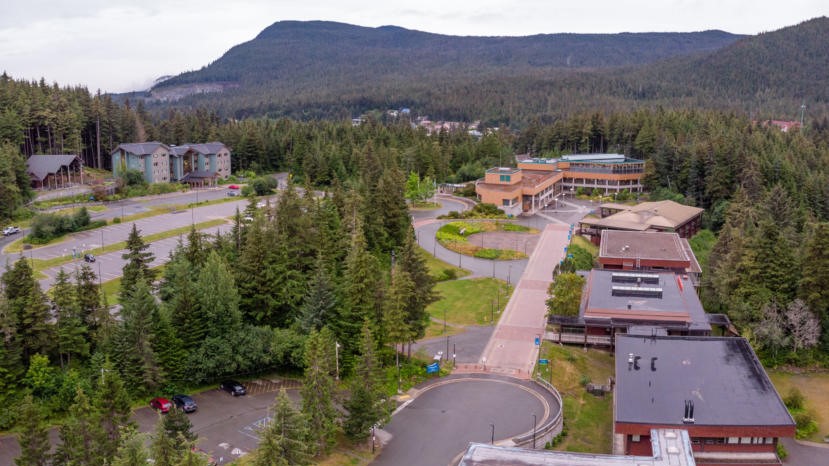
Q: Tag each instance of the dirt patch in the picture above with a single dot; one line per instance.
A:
(512, 240)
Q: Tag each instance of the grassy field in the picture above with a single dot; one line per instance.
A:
(440, 270)
(470, 302)
(587, 418)
(455, 236)
(815, 389)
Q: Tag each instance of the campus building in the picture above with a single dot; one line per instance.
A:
(714, 388)
(665, 216)
(618, 302)
(670, 447)
(648, 251)
(54, 171)
(535, 182)
(197, 164)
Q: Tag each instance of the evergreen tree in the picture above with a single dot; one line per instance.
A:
(81, 437)
(317, 392)
(29, 310)
(138, 263)
(132, 451)
(814, 282)
(360, 282)
(172, 439)
(113, 405)
(283, 442)
(181, 303)
(94, 314)
(394, 326)
(366, 406)
(34, 438)
(134, 341)
(10, 356)
(217, 297)
(168, 348)
(320, 304)
(71, 331)
(412, 262)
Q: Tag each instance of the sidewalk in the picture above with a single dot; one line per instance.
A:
(512, 350)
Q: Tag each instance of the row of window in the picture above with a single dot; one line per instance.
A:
(722, 440)
(509, 202)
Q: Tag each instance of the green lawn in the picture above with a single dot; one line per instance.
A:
(815, 389)
(585, 244)
(587, 418)
(440, 270)
(470, 302)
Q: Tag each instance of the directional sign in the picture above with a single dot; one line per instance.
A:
(544, 361)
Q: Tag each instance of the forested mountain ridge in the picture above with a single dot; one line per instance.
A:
(288, 50)
(310, 70)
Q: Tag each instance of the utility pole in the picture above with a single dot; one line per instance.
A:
(802, 111)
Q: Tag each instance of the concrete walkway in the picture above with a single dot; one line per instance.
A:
(511, 350)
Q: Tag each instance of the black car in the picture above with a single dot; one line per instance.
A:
(89, 258)
(185, 403)
(233, 387)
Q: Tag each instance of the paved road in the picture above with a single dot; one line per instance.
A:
(467, 346)
(451, 412)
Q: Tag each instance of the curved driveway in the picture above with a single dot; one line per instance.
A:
(450, 412)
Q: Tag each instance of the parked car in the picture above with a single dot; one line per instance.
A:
(233, 387)
(232, 193)
(89, 258)
(10, 230)
(161, 404)
(185, 403)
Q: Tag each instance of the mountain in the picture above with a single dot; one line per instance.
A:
(293, 57)
(322, 69)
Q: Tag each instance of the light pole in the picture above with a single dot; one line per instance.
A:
(534, 421)
(509, 275)
(447, 348)
(492, 435)
(444, 320)
(337, 360)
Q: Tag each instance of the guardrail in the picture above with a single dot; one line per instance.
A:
(550, 429)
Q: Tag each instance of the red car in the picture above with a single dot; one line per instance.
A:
(233, 186)
(161, 404)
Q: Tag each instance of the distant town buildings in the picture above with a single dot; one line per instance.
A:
(196, 164)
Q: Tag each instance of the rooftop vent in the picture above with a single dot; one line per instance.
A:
(629, 277)
(688, 416)
(636, 291)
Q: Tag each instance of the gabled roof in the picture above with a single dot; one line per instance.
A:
(199, 175)
(41, 166)
(206, 148)
(661, 214)
(141, 148)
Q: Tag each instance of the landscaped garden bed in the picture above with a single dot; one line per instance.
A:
(455, 236)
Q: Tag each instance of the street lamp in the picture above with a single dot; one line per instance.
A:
(534, 421)
(337, 360)
(492, 436)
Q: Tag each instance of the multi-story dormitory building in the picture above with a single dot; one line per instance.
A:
(196, 164)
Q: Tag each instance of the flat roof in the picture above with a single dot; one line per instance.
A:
(721, 375)
(504, 170)
(594, 158)
(675, 302)
(620, 244)
(670, 446)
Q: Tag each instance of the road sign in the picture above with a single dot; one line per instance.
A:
(543, 361)
(433, 368)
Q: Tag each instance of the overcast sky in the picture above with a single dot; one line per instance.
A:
(122, 45)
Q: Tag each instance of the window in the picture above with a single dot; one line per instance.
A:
(745, 440)
(505, 178)
(506, 202)
(635, 438)
(733, 440)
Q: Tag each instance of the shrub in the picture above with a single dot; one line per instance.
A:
(794, 400)
(133, 178)
(584, 380)
(116, 220)
(46, 227)
(782, 453)
(491, 254)
(805, 425)
(264, 185)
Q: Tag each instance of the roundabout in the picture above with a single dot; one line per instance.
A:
(444, 415)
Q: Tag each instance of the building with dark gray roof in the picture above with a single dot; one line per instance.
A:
(54, 171)
(715, 388)
(197, 164)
